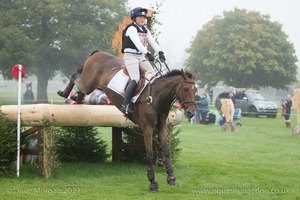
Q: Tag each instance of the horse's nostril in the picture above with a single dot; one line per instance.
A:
(188, 113)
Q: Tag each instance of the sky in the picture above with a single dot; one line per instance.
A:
(181, 20)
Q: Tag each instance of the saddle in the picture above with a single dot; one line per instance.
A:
(141, 83)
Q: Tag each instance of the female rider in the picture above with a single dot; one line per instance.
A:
(134, 41)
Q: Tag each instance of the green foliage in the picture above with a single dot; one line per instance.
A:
(8, 145)
(243, 49)
(140, 156)
(154, 20)
(51, 36)
(80, 144)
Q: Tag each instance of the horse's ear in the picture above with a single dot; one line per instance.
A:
(186, 75)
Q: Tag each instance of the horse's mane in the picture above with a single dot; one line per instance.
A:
(176, 72)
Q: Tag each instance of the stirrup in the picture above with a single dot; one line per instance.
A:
(126, 109)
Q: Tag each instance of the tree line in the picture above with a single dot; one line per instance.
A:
(241, 48)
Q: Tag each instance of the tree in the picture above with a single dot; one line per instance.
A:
(243, 49)
(52, 36)
(8, 143)
(80, 144)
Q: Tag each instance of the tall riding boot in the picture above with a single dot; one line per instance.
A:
(127, 98)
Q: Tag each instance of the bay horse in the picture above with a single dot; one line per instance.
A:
(100, 68)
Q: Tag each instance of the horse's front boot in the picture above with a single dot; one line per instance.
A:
(171, 180)
(153, 187)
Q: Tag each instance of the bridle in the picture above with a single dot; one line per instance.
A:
(185, 104)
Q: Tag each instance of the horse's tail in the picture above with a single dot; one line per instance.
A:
(94, 52)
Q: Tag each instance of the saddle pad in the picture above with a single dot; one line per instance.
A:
(119, 82)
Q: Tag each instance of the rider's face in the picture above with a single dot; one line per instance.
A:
(140, 20)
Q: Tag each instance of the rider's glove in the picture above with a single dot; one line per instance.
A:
(150, 57)
(162, 57)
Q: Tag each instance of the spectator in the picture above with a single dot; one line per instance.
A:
(203, 107)
(28, 96)
(286, 108)
(197, 112)
(231, 96)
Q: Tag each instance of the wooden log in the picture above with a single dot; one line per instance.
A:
(175, 117)
(75, 115)
(67, 115)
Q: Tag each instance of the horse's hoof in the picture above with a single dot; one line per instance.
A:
(153, 187)
(154, 190)
(171, 180)
(61, 93)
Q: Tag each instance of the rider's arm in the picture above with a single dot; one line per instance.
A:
(152, 42)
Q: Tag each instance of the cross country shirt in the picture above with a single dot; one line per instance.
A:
(135, 39)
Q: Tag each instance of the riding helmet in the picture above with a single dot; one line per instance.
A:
(138, 11)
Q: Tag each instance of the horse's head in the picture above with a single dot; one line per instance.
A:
(186, 91)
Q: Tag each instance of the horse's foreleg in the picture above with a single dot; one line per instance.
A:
(150, 168)
(163, 137)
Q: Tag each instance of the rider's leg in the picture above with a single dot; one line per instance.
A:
(145, 65)
(132, 66)
(127, 98)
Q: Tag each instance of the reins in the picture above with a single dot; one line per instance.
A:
(149, 98)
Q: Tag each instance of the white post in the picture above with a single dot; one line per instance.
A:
(19, 120)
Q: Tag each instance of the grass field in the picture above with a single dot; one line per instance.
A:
(259, 161)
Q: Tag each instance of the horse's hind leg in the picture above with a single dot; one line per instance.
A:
(65, 93)
(165, 148)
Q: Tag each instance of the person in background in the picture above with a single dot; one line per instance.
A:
(211, 95)
(203, 107)
(198, 105)
(28, 96)
(231, 96)
(135, 38)
(286, 107)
